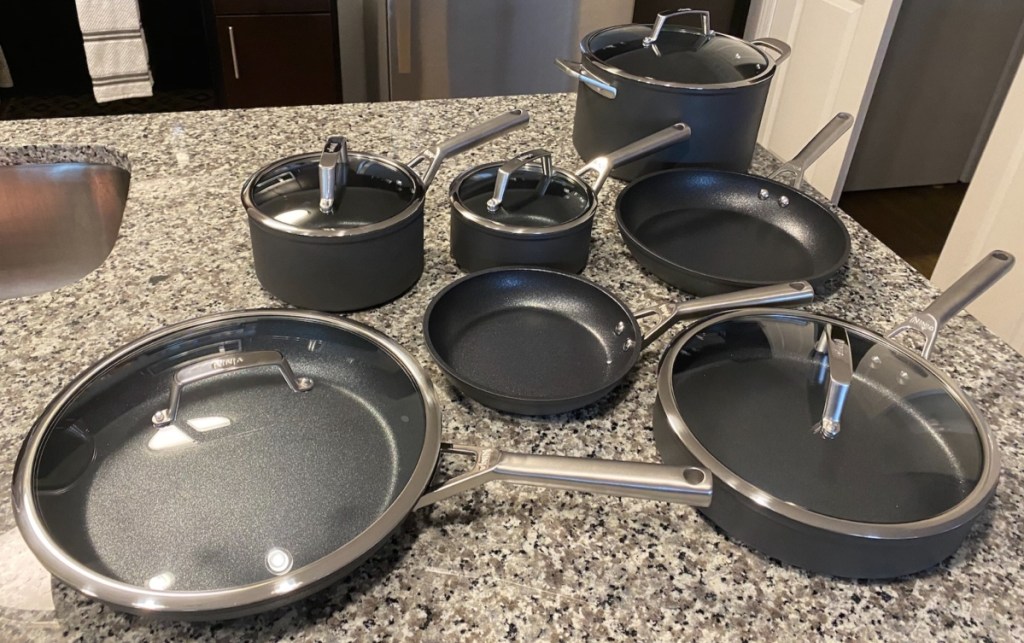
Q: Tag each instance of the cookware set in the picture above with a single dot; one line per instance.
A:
(236, 462)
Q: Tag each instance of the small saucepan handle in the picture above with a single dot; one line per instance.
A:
(957, 297)
(685, 485)
(603, 165)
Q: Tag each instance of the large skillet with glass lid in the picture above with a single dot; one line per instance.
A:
(832, 448)
(240, 461)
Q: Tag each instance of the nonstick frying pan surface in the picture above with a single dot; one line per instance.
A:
(708, 231)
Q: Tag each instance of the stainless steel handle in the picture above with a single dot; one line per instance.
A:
(469, 139)
(817, 146)
(775, 45)
(666, 315)
(838, 359)
(219, 365)
(577, 71)
(663, 16)
(514, 164)
(401, 11)
(603, 165)
(333, 159)
(957, 297)
(234, 54)
(686, 485)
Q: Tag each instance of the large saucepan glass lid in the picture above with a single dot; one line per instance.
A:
(751, 389)
(372, 190)
(252, 477)
(679, 56)
(536, 195)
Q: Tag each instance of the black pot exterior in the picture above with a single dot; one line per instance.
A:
(724, 124)
(811, 548)
(339, 274)
(476, 247)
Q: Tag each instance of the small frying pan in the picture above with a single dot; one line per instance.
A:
(710, 231)
(536, 341)
(758, 396)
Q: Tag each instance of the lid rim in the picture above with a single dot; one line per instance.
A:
(589, 56)
(257, 216)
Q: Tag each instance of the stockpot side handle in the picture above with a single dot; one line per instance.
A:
(219, 365)
(663, 16)
(667, 315)
(817, 146)
(602, 166)
(958, 296)
(684, 485)
(473, 137)
(588, 78)
(774, 44)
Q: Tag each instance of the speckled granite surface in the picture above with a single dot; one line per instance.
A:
(520, 564)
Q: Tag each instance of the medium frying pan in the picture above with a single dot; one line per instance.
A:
(238, 462)
(536, 341)
(910, 463)
(710, 231)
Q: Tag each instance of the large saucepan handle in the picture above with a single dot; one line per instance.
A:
(467, 140)
(602, 166)
(965, 290)
(666, 315)
(686, 485)
(817, 146)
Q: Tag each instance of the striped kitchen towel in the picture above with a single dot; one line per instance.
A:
(115, 49)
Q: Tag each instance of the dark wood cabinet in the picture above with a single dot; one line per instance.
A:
(275, 53)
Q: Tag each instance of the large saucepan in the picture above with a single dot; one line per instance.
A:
(709, 231)
(342, 230)
(636, 79)
(755, 395)
(537, 341)
(240, 461)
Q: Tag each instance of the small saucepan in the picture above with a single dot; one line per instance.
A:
(536, 341)
(342, 230)
(833, 448)
(524, 211)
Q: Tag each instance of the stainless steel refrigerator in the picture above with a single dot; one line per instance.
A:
(418, 49)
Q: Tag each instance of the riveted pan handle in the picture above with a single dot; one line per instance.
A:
(957, 297)
(473, 137)
(603, 165)
(219, 365)
(817, 146)
(686, 485)
(588, 78)
(666, 315)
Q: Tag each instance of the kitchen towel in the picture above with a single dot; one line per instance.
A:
(115, 49)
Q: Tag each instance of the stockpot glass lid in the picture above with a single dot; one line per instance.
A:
(533, 193)
(366, 190)
(752, 390)
(679, 55)
(252, 478)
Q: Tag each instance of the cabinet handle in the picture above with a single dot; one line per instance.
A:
(234, 54)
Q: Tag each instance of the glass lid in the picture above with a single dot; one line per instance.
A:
(331, 192)
(678, 55)
(289, 438)
(524, 192)
(758, 393)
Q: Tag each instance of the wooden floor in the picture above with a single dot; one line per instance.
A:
(914, 222)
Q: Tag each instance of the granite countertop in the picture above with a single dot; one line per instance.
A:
(503, 562)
